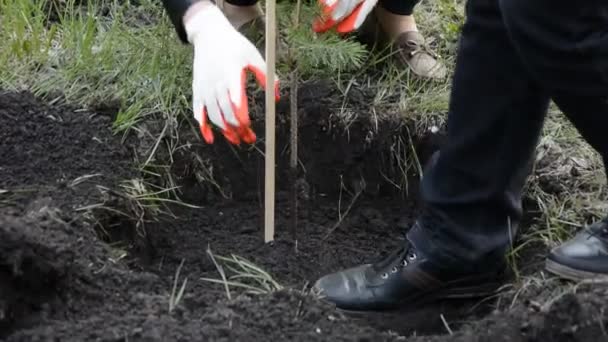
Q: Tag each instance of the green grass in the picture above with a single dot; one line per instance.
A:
(105, 54)
(402, 95)
(568, 185)
(95, 59)
(239, 273)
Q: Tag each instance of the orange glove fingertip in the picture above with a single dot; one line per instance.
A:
(324, 22)
(205, 129)
(241, 110)
(348, 24)
(232, 136)
(247, 135)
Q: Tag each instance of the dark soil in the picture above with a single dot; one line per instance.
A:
(64, 278)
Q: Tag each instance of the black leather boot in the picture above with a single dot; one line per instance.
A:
(585, 256)
(404, 278)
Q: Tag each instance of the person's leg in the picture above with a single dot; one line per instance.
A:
(396, 20)
(396, 16)
(574, 40)
(585, 256)
(472, 189)
(248, 18)
(241, 12)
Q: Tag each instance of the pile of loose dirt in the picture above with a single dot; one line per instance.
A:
(60, 281)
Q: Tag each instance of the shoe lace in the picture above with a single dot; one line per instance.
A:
(399, 258)
(423, 47)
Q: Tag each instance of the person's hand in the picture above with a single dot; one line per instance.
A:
(222, 57)
(345, 15)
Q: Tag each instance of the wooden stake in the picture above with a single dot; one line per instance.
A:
(270, 121)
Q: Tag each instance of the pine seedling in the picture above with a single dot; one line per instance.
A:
(309, 56)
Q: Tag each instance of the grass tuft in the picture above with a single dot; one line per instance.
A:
(128, 55)
(238, 272)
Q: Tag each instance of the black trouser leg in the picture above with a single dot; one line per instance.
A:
(567, 51)
(589, 114)
(472, 190)
(401, 7)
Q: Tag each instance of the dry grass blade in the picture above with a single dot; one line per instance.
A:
(84, 178)
(446, 325)
(243, 274)
(176, 296)
(251, 271)
(220, 269)
(350, 205)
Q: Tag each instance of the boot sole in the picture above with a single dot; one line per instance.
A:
(572, 273)
(453, 294)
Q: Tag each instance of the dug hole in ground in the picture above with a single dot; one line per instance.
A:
(82, 260)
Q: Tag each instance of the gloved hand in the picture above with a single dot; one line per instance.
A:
(346, 15)
(222, 57)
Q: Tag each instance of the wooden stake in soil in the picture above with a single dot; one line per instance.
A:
(270, 121)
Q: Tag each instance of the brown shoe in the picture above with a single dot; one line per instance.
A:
(415, 52)
(412, 48)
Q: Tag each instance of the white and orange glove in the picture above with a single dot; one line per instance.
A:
(345, 15)
(222, 57)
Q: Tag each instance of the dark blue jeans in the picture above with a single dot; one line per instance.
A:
(514, 57)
